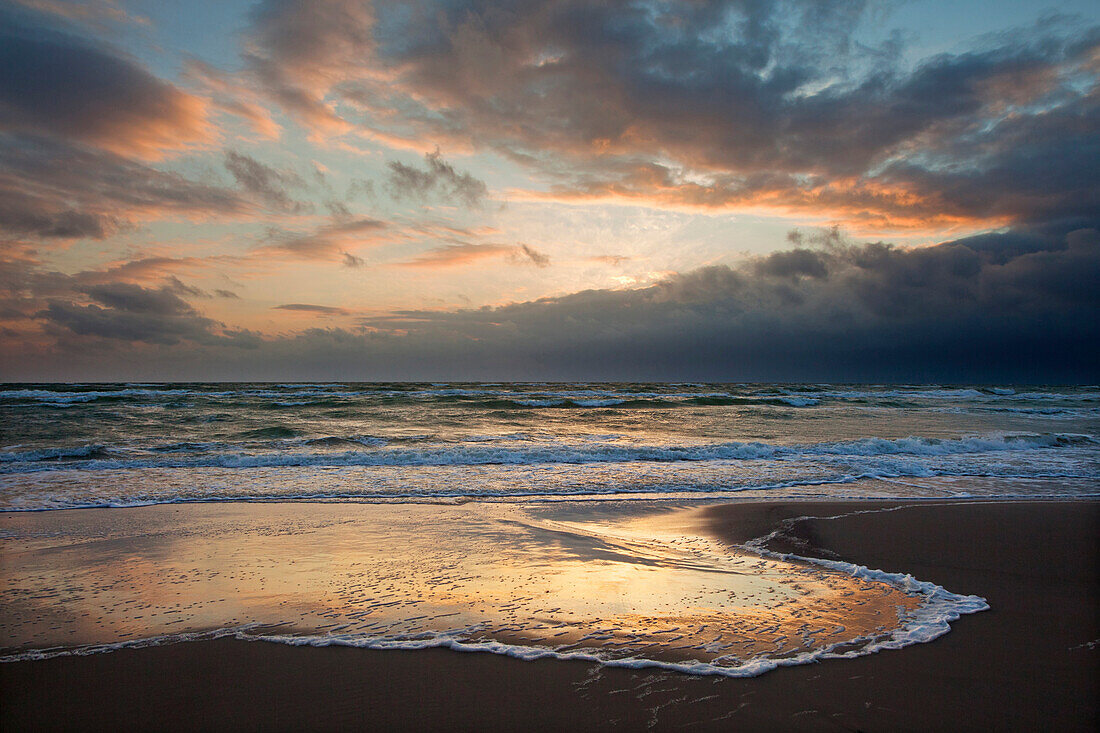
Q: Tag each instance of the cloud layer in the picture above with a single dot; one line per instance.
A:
(752, 105)
(54, 189)
(136, 205)
(1003, 307)
(67, 86)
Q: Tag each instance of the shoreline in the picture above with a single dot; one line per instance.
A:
(1026, 663)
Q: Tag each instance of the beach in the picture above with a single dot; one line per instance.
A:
(1030, 662)
(565, 366)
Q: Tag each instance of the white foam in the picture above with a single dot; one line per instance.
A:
(931, 620)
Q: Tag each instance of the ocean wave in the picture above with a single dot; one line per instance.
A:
(43, 395)
(337, 440)
(94, 457)
(779, 400)
(188, 447)
(981, 396)
(56, 454)
(487, 396)
(270, 433)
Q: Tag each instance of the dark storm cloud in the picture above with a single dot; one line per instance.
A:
(439, 178)
(57, 84)
(1016, 306)
(827, 310)
(1033, 169)
(793, 264)
(714, 103)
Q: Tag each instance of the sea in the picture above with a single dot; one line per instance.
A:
(121, 445)
(536, 519)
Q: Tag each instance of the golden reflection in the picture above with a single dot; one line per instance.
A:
(651, 586)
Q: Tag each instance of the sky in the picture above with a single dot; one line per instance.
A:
(757, 190)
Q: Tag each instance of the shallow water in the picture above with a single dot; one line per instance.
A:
(629, 587)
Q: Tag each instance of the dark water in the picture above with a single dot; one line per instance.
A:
(64, 446)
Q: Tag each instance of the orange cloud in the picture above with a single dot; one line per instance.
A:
(230, 96)
(954, 141)
(332, 242)
(863, 206)
(454, 255)
(183, 121)
(75, 90)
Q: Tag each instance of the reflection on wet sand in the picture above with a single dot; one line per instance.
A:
(627, 587)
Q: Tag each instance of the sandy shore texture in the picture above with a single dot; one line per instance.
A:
(1030, 663)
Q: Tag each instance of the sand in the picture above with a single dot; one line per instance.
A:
(1031, 662)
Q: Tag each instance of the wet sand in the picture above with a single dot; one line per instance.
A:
(1026, 664)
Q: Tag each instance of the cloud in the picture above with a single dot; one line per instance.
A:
(150, 269)
(58, 190)
(94, 12)
(351, 260)
(327, 243)
(49, 306)
(231, 96)
(613, 260)
(79, 123)
(771, 106)
(452, 255)
(58, 84)
(136, 299)
(439, 179)
(263, 181)
(179, 287)
(127, 312)
(92, 320)
(526, 253)
(298, 50)
(323, 310)
(1015, 306)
